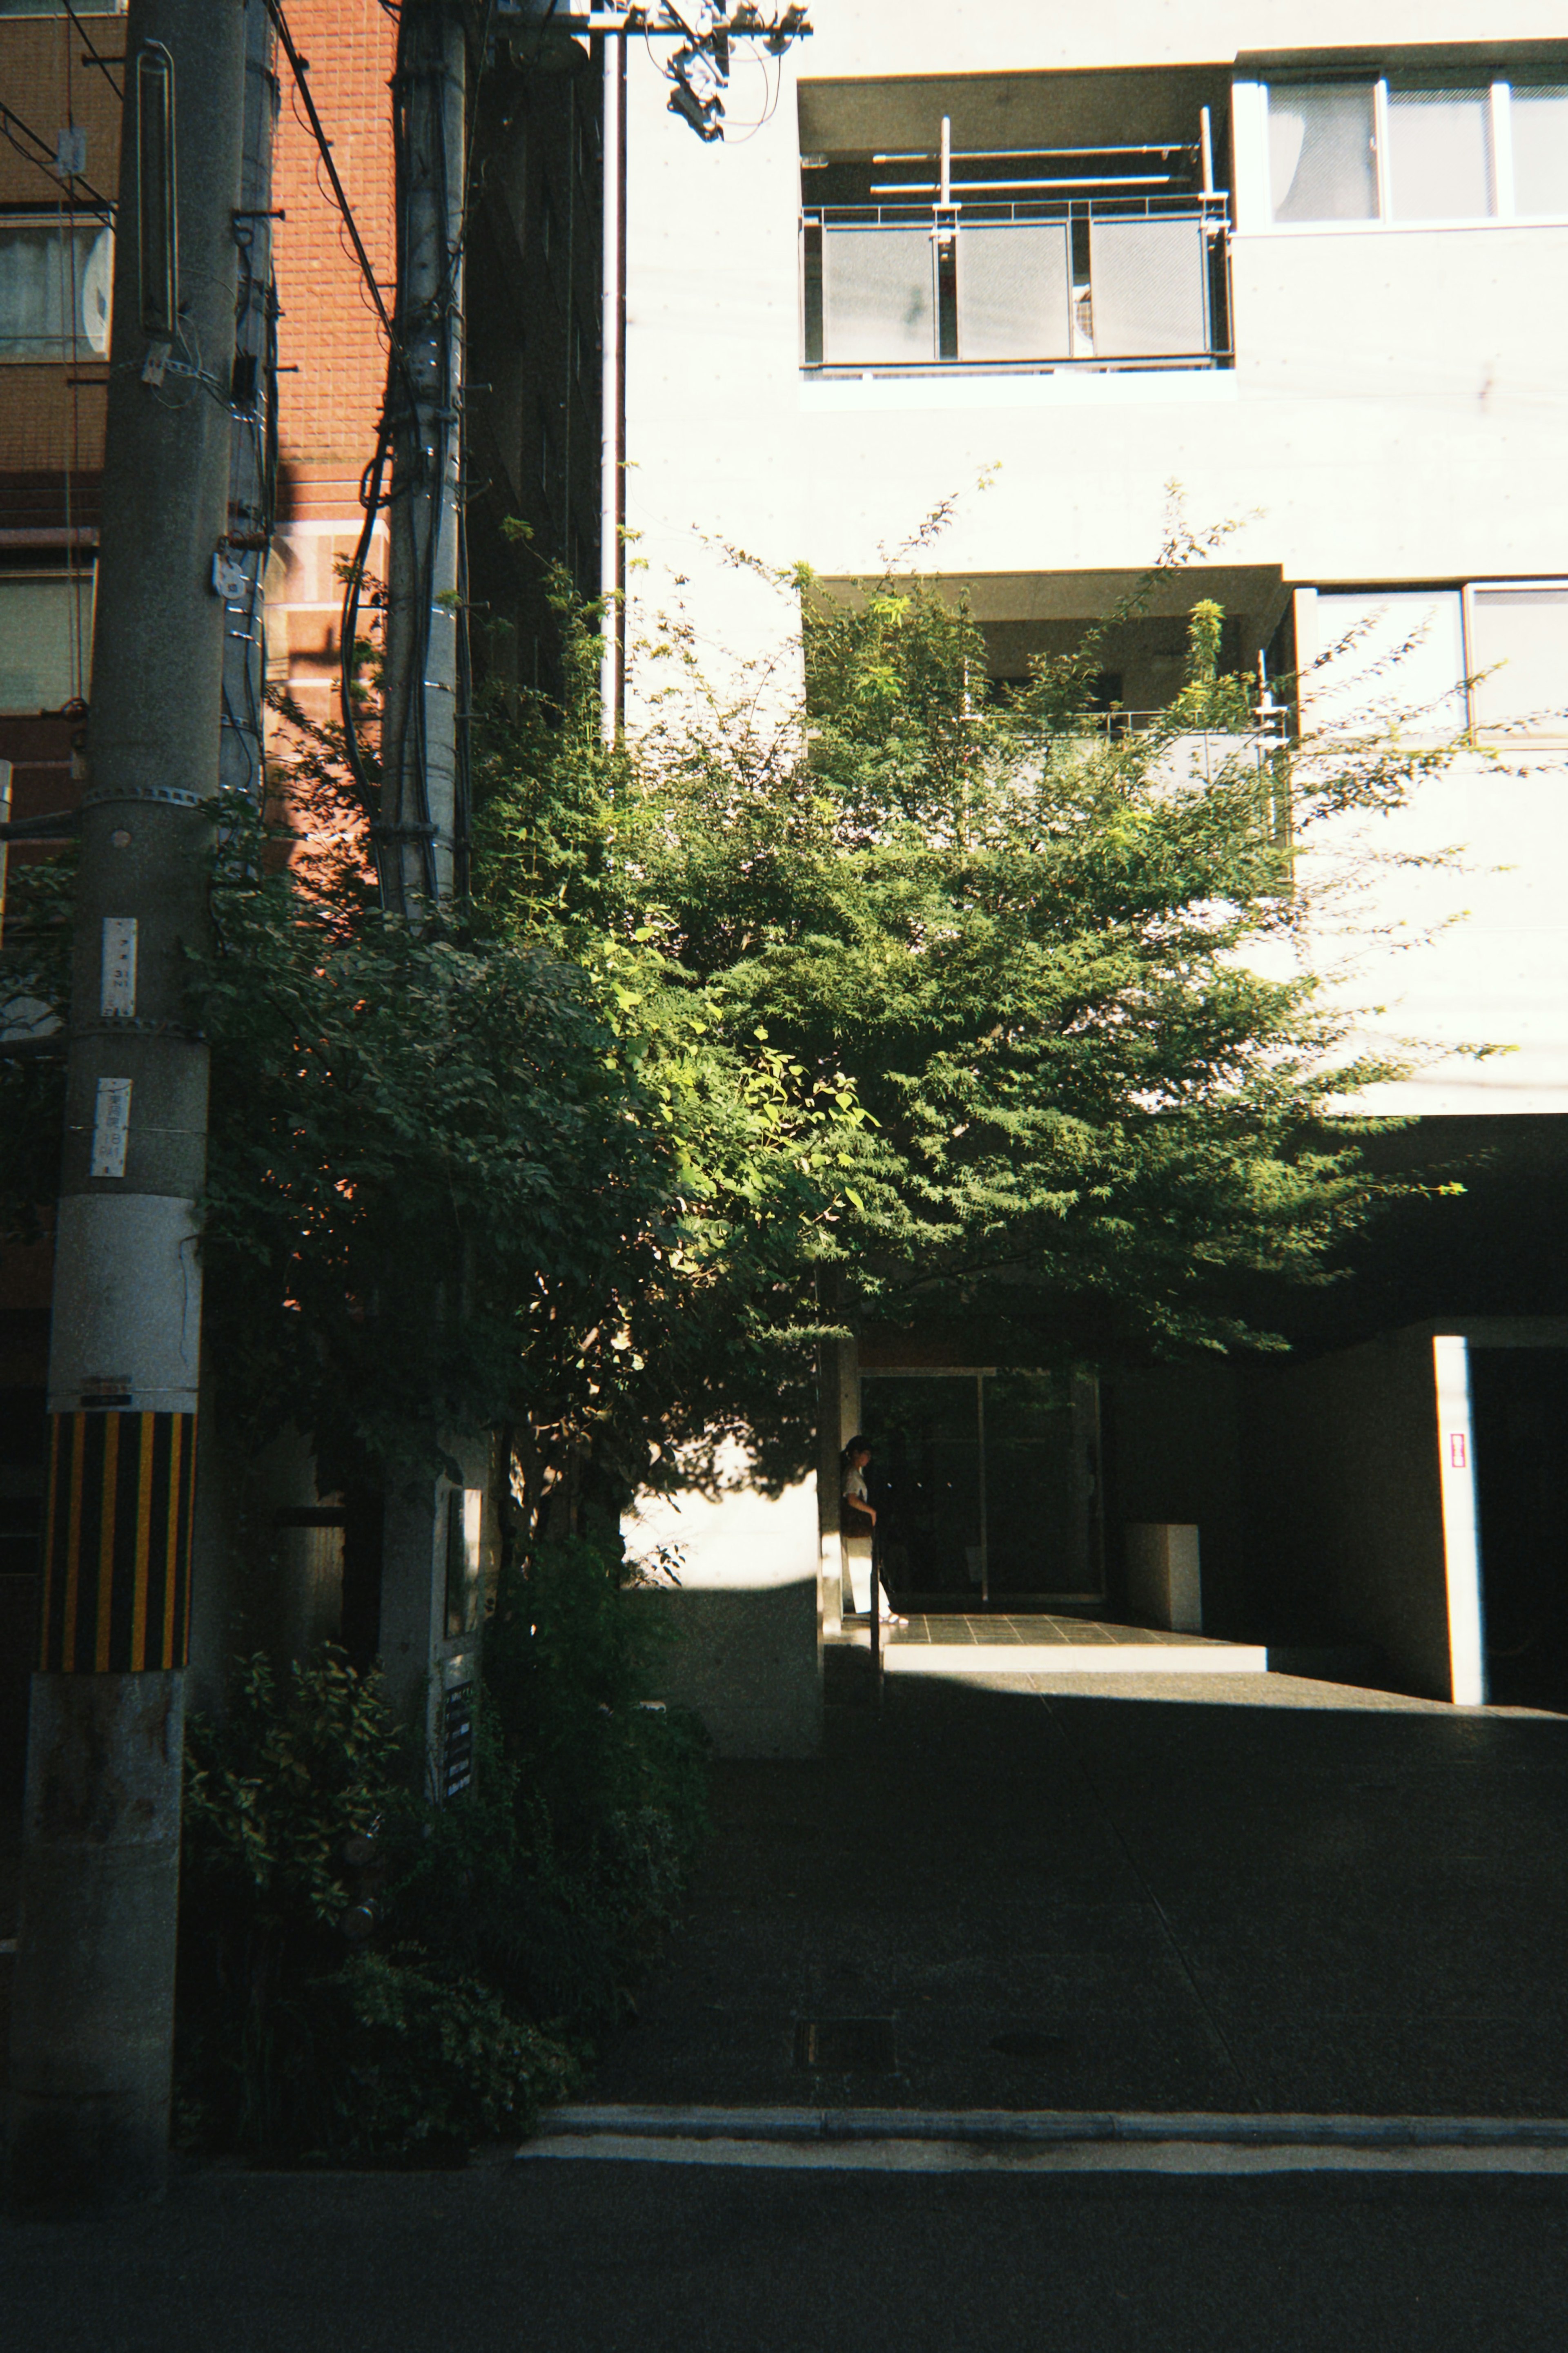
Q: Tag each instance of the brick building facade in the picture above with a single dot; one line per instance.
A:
(532, 433)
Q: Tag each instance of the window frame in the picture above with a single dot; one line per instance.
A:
(1254, 189)
(74, 347)
(1493, 732)
(1481, 733)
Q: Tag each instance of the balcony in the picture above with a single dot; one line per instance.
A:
(1069, 283)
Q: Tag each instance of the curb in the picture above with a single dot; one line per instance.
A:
(1039, 2127)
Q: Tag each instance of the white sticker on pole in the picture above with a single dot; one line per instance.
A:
(111, 1127)
(1461, 1530)
(117, 980)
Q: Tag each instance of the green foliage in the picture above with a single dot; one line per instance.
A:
(506, 1931)
(1026, 958)
(292, 2043)
(35, 984)
(296, 1770)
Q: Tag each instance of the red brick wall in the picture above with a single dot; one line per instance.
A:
(329, 331)
(330, 347)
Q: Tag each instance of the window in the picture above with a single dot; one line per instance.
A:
(1538, 118)
(45, 638)
(54, 289)
(1389, 658)
(1439, 154)
(1402, 658)
(1518, 650)
(1323, 161)
(1407, 148)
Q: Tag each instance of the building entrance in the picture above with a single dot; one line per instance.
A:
(1519, 1403)
(986, 1486)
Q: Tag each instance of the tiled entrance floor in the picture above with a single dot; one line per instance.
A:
(960, 1644)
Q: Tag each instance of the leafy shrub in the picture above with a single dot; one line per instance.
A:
(293, 2043)
(503, 1934)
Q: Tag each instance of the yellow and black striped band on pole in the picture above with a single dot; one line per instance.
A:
(117, 1543)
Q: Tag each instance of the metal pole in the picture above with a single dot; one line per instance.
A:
(984, 1533)
(91, 2034)
(612, 398)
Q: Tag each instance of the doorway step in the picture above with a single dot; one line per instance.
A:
(995, 1644)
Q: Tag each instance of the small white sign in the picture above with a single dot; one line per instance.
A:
(111, 1127)
(117, 990)
(71, 151)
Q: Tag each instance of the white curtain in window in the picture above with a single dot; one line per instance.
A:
(46, 280)
(879, 296)
(1388, 657)
(44, 624)
(1321, 160)
(1538, 113)
(1440, 153)
(1149, 288)
(1519, 636)
(1014, 293)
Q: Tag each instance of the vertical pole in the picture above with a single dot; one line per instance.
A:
(91, 2033)
(980, 1449)
(253, 452)
(1205, 136)
(417, 838)
(1461, 1524)
(612, 399)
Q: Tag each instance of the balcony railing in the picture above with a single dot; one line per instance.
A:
(1095, 282)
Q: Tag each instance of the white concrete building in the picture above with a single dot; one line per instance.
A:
(1309, 262)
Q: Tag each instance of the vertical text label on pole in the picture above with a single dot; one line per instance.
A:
(111, 1127)
(117, 989)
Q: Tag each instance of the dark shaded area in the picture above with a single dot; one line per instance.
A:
(605, 2258)
(532, 265)
(1518, 1400)
(1263, 1893)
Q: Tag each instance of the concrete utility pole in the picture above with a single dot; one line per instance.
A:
(430, 1548)
(419, 841)
(253, 452)
(93, 2007)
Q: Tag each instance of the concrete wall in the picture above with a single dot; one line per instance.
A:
(1345, 1504)
(1171, 1436)
(746, 1618)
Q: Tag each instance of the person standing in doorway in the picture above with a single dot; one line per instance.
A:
(860, 1518)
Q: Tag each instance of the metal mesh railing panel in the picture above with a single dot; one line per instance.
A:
(1150, 287)
(879, 296)
(1014, 293)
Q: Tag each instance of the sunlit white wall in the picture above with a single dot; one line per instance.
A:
(1393, 417)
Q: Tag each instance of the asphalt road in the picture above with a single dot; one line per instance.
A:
(1276, 1895)
(608, 2258)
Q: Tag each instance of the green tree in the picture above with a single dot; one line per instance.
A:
(1023, 946)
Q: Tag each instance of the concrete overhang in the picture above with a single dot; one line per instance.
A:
(1086, 595)
(994, 111)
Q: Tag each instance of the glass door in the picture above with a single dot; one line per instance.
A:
(987, 1487)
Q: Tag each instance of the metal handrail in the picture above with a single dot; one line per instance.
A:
(1272, 726)
(988, 213)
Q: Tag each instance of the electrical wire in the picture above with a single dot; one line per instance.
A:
(299, 68)
(104, 65)
(45, 160)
